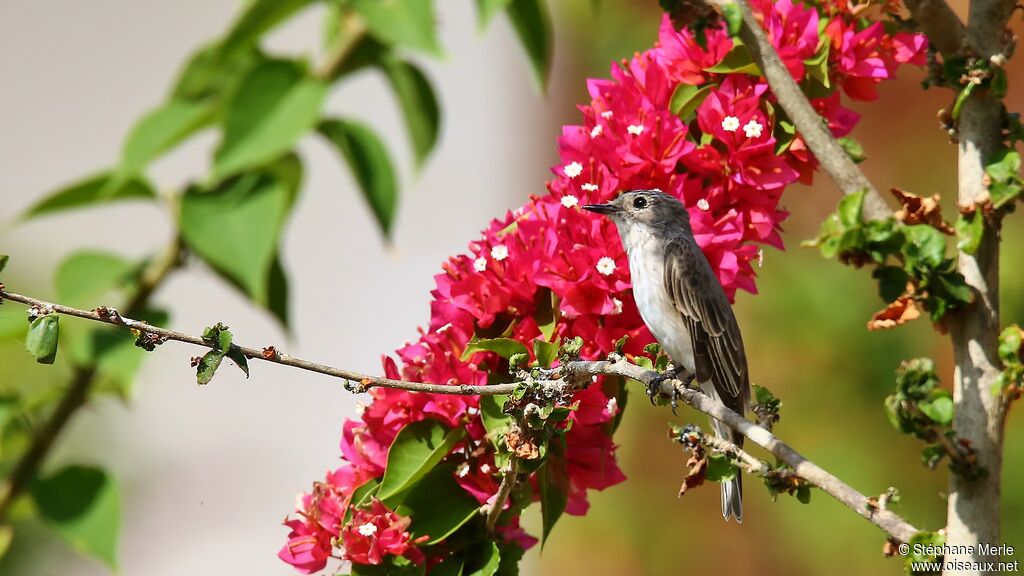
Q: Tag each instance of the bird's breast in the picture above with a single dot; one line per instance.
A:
(667, 325)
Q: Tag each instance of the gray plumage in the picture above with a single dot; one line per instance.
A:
(684, 306)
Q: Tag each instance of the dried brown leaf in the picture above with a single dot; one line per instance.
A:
(920, 210)
(897, 313)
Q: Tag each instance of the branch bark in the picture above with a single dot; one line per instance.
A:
(571, 376)
(942, 26)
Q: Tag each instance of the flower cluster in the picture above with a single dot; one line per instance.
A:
(728, 159)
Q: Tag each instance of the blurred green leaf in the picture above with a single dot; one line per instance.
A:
(686, 98)
(452, 566)
(736, 61)
(417, 449)
(236, 226)
(892, 282)
(817, 67)
(490, 561)
(371, 166)
(389, 566)
(733, 18)
(925, 246)
(1005, 165)
(850, 208)
(545, 352)
(504, 347)
(274, 106)
(41, 340)
(969, 230)
(259, 17)
(277, 293)
(210, 74)
(553, 484)
(4, 258)
(160, 130)
(89, 278)
(92, 190)
(720, 468)
(488, 9)
(1010, 340)
(83, 506)
(532, 24)
(853, 148)
(114, 354)
(437, 505)
(418, 103)
(938, 407)
(492, 413)
(546, 313)
(407, 23)
(6, 536)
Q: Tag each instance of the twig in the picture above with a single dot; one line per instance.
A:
(752, 464)
(833, 158)
(565, 377)
(504, 491)
(78, 390)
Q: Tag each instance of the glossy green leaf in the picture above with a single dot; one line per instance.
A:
(489, 563)
(686, 98)
(371, 166)
(736, 61)
(419, 105)
(83, 506)
(91, 191)
(92, 278)
(274, 106)
(236, 227)
(41, 340)
(437, 505)
(417, 449)
(488, 9)
(532, 24)
(160, 130)
(259, 17)
(545, 352)
(504, 347)
(407, 23)
(553, 483)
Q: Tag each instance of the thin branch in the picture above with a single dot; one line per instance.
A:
(940, 24)
(565, 378)
(504, 491)
(753, 464)
(830, 154)
(78, 390)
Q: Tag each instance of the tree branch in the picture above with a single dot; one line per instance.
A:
(568, 377)
(508, 482)
(940, 24)
(830, 154)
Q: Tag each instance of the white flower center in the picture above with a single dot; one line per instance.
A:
(703, 204)
(368, 529)
(730, 124)
(573, 169)
(606, 266)
(606, 114)
(753, 129)
(635, 129)
(480, 264)
(589, 187)
(612, 407)
(569, 200)
(617, 306)
(499, 252)
(596, 131)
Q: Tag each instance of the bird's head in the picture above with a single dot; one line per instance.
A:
(650, 209)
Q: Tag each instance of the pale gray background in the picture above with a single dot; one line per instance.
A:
(208, 473)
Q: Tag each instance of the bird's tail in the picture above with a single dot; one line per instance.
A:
(732, 490)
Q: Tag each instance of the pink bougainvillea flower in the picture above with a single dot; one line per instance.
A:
(378, 532)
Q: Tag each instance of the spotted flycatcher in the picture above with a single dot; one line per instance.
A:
(684, 306)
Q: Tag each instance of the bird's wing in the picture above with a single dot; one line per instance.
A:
(718, 351)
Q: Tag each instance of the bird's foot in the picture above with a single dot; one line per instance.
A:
(654, 388)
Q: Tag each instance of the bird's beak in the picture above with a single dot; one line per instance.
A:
(606, 209)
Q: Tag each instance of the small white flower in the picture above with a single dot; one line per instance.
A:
(617, 306)
(441, 329)
(462, 470)
(753, 129)
(612, 407)
(703, 204)
(635, 129)
(606, 266)
(589, 187)
(573, 169)
(760, 258)
(596, 131)
(569, 200)
(485, 468)
(472, 410)
(499, 252)
(606, 114)
(730, 124)
(368, 529)
(480, 264)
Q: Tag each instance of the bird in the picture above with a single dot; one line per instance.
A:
(684, 306)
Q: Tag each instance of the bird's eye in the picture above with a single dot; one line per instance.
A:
(640, 203)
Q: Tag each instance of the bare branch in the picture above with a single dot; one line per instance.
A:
(830, 154)
(565, 378)
(942, 26)
(504, 491)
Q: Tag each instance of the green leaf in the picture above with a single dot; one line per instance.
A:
(492, 413)
(924, 247)
(208, 366)
(272, 108)
(92, 190)
(853, 149)
(488, 9)
(6, 536)
(892, 282)
(733, 18)
(490, 561)
(391, 566)
(532, 24)
(816, 67)
(419, 105)
(83, 506)
(160, 130)
(407, 23)
(803, 494)
(4, 258)
(437, 505)
(736, 61)
(113, 353)
(210, 74)
(546, 313)
(553, 483)
(545, 352)
(277, 293)
(259, 17)
(235, 227)
(686, 98)
(504, 347)
(450, 567)
(236, 356)
(961, 98)
(1010, 340)
(850, 209)
(720, 468)
(1004, 166)
(939, 407)
(969, 230)
(998, 84)
(417, 449)
(371, 165)
(41, 340)
(89, 278)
